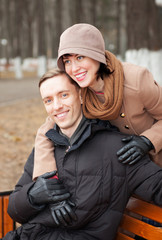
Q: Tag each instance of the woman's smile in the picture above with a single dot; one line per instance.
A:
(81, 69)
(81, 76)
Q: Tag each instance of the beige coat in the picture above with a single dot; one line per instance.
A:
(141, 111)
(141, 114)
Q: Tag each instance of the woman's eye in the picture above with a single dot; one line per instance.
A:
(80, 57)
(66, 62)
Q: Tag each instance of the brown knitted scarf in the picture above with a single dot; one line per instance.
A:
(113, 93)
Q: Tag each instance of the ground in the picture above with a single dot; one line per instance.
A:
(21, 115)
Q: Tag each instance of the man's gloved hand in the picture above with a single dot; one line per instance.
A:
(46, 190)
(63, 213)
(135, 149)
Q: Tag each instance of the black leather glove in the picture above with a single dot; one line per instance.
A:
(135, 149)
(46, 190)
(62, 212)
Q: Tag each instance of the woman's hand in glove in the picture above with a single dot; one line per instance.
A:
(46, 190)
(135, 149)
(63, 213)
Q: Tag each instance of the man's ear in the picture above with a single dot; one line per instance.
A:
(80, 96)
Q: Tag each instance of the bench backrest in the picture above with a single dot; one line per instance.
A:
(132, 223)
(6, 223)
(129, 224)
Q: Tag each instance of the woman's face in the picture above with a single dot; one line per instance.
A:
(81, 69)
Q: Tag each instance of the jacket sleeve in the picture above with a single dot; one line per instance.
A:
(19, 207)
(44, 151)
(145, 180)
(150, 94)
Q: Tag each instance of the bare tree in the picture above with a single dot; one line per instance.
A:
(57, 26)
(30, 10)
(41, 29)
(33, 28)
(143, 25)
(121, 28)
(18, 27)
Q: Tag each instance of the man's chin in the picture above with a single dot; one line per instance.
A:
(61, 124)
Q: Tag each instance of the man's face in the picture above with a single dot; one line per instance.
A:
(62, 101)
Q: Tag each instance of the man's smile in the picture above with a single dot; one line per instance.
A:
(61, 115)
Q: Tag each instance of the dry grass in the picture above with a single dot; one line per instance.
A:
(11, 74)
(18, 126)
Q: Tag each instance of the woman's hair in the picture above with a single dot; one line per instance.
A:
(56, 72)
(103, 71)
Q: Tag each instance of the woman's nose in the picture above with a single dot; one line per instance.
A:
(75, 66)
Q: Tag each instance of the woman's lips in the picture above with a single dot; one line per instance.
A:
(80, 76)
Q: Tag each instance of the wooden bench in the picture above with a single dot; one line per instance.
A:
(6, 223)
(131, 224)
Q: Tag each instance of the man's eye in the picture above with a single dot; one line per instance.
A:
(47, 101)
(64, 95)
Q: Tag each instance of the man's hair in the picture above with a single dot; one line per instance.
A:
(56, 72)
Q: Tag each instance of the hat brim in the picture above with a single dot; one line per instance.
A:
(98, 56)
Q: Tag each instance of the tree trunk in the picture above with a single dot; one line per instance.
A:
(121, 28)
(142, 25)
(18, 21)
(57, 26)
(41, 30)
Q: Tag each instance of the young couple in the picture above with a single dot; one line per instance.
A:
(87, 194)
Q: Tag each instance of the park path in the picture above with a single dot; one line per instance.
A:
(14, 90)
(21, 114)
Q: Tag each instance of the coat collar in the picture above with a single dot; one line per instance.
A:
(86, 128)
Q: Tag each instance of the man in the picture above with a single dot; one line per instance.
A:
(85, 153)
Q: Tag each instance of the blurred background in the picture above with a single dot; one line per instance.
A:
(30, 31)
(29, 38)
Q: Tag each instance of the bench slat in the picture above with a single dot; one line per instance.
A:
(143, 208)
(140, 228)
(8, 222)
(121, 236)
(0, 217)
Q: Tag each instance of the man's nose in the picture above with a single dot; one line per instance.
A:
(57, 104)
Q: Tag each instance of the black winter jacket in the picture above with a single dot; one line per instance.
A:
(99, 185)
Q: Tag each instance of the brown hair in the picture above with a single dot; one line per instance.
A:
(103, 71)
(56, 72)
(113, 92)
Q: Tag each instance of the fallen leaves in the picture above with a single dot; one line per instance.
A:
(18, 126)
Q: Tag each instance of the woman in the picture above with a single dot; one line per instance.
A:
(123, 93)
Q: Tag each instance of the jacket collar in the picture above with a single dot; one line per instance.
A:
(86, 128)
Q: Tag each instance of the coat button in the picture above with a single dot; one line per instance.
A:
(122, 115)
(126, 126)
